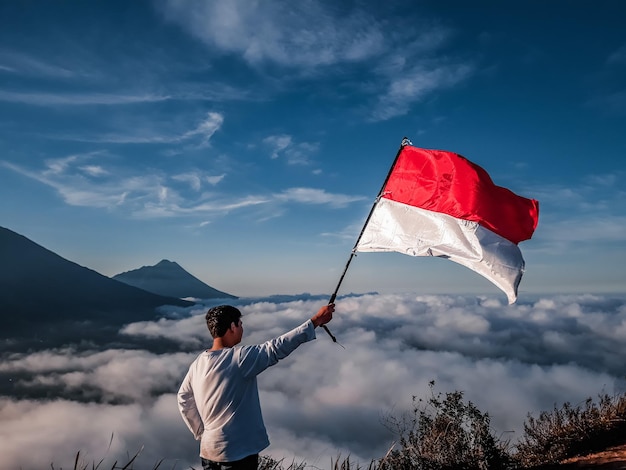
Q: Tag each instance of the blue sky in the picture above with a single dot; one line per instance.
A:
(247, 140)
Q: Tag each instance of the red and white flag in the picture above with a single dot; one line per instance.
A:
(438, 203)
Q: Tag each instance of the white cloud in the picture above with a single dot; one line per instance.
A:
(316, 196)
(77, 190)
(578, 216)
(106, 372)
(94, 170)
(206, 128)
(293, 35)
(278, 143)
(323, 400)
(410, 86)
(178, 207)
(152, 195)
(193, 179)
(147, 132)
(36, 434)
(185, 331)
(593, 229)
(60, 165)
(213, 180)
(295, 153)
(306, 37)
(78, 99)
(27, 65)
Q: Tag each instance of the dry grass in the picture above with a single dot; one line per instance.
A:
(568, 431)
(445, 432)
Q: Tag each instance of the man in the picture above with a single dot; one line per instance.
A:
(219, 398)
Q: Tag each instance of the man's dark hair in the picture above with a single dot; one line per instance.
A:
(218, 319)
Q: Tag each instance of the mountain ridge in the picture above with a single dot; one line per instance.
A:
(40, 289)
(170, 279)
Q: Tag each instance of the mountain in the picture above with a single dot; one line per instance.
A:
(40, 290)
(169, 278)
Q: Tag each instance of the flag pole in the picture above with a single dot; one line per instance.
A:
(404, 143)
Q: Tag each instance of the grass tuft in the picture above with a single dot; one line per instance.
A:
(569, 431)
(446, 432)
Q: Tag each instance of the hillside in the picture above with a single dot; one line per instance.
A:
(39, 289)
(170, 279)
(610, 458)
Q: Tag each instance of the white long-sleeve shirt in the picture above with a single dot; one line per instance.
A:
(219, 398)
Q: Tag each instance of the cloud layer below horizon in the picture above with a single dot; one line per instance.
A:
(323, 401)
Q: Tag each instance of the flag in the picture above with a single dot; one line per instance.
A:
(438, 203)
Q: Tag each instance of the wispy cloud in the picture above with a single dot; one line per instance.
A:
(78, 99)
(94, 170)
(170, 204)
(79, 188)
(581, 215)
(317, 196)
(148, 132)
(277, 143)
(157, 194)
(295, 153)
(196, 179)
(408, 87)
(599, 194)
(215, 179)
(193, 179)
(303, 37)
(24, 64)
(294, 35)
(106, 84)
(205, 129)
(594, 230)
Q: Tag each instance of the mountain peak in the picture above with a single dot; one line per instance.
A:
(166, 262)
(168, 276)
(39, 286)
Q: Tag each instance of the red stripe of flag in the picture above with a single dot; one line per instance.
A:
(448, 183)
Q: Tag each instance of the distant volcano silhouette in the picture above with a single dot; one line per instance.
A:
(170, 279)
(39, 288)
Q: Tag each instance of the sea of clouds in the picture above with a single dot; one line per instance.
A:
(325, 401)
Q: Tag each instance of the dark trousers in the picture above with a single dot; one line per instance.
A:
(251, 462)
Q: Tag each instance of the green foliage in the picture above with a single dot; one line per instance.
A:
(573, 430)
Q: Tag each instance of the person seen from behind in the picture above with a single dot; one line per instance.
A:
(219, 398)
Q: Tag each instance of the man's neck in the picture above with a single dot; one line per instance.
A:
(220, 343)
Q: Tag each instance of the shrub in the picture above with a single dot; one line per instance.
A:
(573, 430)
(446, 433)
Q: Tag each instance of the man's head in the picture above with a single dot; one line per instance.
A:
(220, 319)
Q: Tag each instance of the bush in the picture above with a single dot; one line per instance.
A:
(573, 430)
(446, 433)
